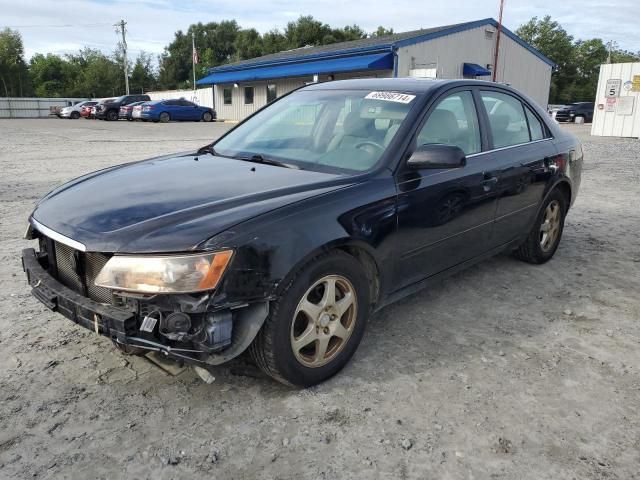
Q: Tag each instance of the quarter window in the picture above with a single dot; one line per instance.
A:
(227, 94)
(272, 92)
(453, 122)
(506, 119)
(535, 127)
(248, 95)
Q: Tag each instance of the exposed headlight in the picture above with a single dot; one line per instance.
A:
(164, 273)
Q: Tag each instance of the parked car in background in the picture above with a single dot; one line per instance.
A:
(126, 111)
(177, 110)
(576, 110)
(110, 110)
(553, 109)
(86, 110)
(282, 237)
(94, 109)
(137, 111)
(74, 111)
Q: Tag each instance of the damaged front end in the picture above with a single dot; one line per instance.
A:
(191, 327)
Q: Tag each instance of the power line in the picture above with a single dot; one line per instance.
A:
(68, 25)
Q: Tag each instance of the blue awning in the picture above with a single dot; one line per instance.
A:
(377, 61)
(475, 70)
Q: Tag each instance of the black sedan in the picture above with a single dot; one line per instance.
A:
(282, 237)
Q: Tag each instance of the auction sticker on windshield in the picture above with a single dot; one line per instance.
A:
(390, 97)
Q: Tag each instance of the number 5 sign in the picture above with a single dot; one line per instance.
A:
(613, 87)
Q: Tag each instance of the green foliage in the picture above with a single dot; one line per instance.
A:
(14, 75)
(576, 76)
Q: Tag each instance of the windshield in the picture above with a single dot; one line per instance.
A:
(327, 130)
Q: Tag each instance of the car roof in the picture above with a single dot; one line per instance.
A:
(411, 85)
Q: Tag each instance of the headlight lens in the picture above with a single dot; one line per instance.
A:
(164, 274)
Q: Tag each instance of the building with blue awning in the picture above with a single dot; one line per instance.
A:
(465, 50)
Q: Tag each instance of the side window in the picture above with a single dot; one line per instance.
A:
(453, 122)
(506, 119)
(227, 94)
(248, 95)
(535, 127)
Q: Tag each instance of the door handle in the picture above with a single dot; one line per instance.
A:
(489, 178)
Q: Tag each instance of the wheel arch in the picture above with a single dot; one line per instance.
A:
(361, 251)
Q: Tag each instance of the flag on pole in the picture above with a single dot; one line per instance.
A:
(196, 57)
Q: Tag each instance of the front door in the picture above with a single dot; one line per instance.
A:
(445, 216)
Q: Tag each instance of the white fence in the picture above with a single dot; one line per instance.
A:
(18, 107)
(202, 96)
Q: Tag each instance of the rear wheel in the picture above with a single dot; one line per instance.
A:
(545, 236)
(207, 117)
(165, 117)
(315, 326)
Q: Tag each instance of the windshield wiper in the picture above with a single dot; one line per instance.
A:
(257, 158)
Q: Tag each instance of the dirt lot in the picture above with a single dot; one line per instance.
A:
(504, 371)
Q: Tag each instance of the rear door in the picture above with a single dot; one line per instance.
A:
(522, 151)
(445, 216)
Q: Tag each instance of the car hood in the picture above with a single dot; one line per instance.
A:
(173, 203)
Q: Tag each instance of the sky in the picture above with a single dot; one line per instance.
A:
(151, 23)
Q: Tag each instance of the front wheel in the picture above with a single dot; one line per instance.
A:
(112, 115)
(316, 324)
(75, 115)
(207, 117)
(544, 238)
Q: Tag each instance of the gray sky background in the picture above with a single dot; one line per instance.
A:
(152, 23)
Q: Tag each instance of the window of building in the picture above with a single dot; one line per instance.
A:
(453, 122)
(227, 94)
(506, 119)
(272, 92)
(248, 95)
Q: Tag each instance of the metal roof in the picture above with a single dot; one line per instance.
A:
(370, 45)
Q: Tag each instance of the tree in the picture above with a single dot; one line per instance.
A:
(142, 78)
(248, 44)
(14, 74)
(306, 30)
(382, 32)
(554, 42)
(52, 75)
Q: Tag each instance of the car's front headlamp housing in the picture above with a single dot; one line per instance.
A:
(186, 273)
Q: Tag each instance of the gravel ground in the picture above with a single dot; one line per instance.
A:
(507, 370)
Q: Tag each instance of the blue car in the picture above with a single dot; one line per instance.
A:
(180, 110)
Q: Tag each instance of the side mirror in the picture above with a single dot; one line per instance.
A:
(437, 155)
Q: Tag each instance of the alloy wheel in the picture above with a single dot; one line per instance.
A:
(550, 226)
(323, 321)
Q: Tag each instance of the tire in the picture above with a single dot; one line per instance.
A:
(111, 115)
(207, 117)
(75, 115)
(537, 248)
(165, 117)
(272, 349)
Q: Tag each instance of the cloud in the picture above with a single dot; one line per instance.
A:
(151, 23)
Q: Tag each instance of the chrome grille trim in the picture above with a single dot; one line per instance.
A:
(57, 236)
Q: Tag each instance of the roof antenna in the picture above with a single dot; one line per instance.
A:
(495, 60)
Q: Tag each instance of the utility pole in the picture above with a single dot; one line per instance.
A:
(495, 60)
(120, 28)
(609, 47)
(193, 57)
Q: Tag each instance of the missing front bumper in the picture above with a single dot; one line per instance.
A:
(121, 325)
